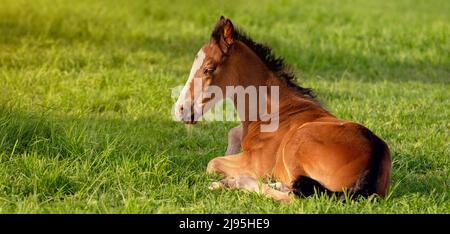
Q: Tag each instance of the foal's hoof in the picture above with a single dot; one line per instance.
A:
(216, 185)
(280, 187)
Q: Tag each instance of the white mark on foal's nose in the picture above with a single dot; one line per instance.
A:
(185, 99)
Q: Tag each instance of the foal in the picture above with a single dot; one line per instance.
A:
(310, 150)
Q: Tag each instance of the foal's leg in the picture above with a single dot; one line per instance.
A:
(232, 165)
(234, 140)
(238, 172)
(248, 183)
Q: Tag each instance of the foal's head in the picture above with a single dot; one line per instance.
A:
(211, 70)
(230, 59)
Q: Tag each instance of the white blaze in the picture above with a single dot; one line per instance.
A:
(185, 96)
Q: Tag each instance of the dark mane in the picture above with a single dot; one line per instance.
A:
(274, 63)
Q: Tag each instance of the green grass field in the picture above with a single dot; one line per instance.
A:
(85, 100)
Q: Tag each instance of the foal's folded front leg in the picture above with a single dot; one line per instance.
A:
(239, 174)
(248, 183)
(232, 165)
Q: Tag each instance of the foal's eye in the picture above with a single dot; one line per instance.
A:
(209, 70)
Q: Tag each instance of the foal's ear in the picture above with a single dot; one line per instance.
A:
(223, 34)
(228, 30)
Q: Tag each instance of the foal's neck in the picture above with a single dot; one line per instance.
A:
(251, 71)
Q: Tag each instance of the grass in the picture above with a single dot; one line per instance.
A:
(85, 98)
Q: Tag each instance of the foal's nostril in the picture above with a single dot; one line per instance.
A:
(181, 109)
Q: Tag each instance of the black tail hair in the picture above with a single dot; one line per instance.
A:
(305, 187)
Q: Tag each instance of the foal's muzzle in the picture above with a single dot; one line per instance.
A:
(186, 115)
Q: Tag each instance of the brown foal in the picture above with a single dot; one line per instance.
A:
(310, 150)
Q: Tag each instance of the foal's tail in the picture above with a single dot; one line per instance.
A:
(375, 180)
(384, 174)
